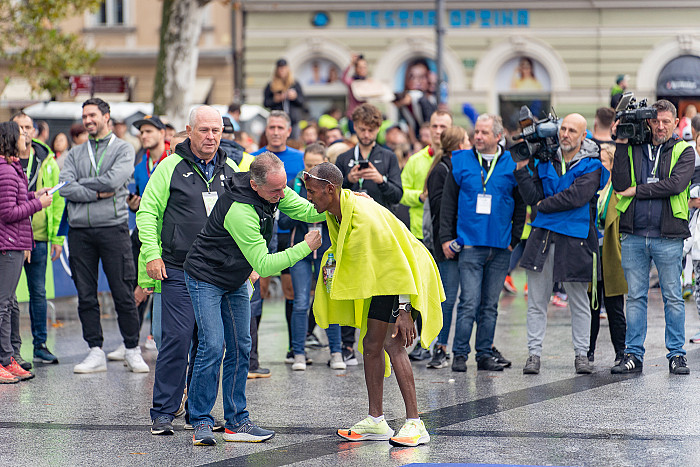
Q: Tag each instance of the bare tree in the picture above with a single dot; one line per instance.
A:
(178, 57)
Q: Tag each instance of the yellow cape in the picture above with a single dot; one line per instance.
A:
(376, 254)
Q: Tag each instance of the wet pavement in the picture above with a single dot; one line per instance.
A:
(554, 418)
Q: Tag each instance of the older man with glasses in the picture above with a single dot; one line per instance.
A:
(233, 244)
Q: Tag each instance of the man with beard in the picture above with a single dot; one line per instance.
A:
(563, 244)
(652, 180)
(97, 173)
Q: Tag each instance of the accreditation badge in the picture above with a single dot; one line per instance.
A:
(209, 198)
(483, 204)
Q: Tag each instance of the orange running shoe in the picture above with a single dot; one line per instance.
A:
(18, 371)
(6, 377)
(510, 286)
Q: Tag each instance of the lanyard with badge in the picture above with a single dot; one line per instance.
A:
(209, 197)
(483, 200)
(654, 178)
(357, 161)
(97, 165)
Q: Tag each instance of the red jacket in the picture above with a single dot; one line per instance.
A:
(16, 207)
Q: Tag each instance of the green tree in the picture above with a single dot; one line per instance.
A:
(36, 49)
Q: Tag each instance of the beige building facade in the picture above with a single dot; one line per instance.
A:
(576, 48)
(127, 35)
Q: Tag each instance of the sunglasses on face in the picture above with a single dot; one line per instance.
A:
(308, 176)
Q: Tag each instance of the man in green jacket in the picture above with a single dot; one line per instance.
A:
(42, 171)
(416, 171)
(234, 243)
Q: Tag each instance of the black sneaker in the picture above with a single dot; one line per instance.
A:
(489, 364)
(459, 364)
(677, 366)
(619, 356)
(349, 357)
(312, 342)
(629, 364)
(162, 425)
(439, 359)
(43, 355)
(259, 373)
(22, 362)
(532, 365)
(419, 354)
(500, 358)
(203, 436)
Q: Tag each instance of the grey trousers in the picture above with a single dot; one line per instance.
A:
(10, 270)
(539, 290)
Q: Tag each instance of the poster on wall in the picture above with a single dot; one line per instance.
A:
(415, 86)
(522, 81)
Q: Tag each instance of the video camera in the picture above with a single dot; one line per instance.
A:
(633, 117)
(540, 138)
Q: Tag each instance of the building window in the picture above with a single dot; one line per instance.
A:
(111, 13)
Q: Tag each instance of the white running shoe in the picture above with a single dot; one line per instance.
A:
(150, 344)
(337, 362)
(93, 363)
(134, 360)
(299, 362)
(118, 354)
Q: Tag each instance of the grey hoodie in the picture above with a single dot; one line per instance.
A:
(84, 209)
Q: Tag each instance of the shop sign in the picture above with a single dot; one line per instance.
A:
(396, 19)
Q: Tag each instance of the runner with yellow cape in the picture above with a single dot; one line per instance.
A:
(376, 255)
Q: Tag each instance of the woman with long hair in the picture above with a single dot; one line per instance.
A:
(452, 139)
(284, 93)
(16, 240)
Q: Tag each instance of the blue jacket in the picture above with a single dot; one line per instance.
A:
(495, 229)
(572, 222)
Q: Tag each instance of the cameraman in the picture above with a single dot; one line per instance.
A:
(564, 190)
(652, 181)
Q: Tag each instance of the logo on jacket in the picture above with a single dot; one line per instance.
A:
(187, 174)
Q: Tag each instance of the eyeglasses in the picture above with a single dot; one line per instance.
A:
(308, 176)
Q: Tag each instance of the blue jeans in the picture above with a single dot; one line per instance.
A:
(301, 280)
(449, 273)
(667, 254)
(482, 271)
(36, 283)
(223, 319)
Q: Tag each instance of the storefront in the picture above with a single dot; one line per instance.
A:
(498, 55)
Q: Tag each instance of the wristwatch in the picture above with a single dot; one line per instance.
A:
(405, 307)
(384, 179)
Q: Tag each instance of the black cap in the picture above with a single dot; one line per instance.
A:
(150, 120)
(228, 126)
(281, 62)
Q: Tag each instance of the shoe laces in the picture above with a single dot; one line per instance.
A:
(162, 419)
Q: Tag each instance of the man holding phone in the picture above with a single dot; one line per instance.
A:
(369, 167)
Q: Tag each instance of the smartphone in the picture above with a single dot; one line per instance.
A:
(363, 165)
(57, 187)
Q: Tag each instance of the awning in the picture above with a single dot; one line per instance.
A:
(680, 77)
(18, 93)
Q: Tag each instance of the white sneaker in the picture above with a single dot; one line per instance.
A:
(299, 362)
(134, 360)
(150, 344)
(94, 362)
(117, 355)
(337, 362)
